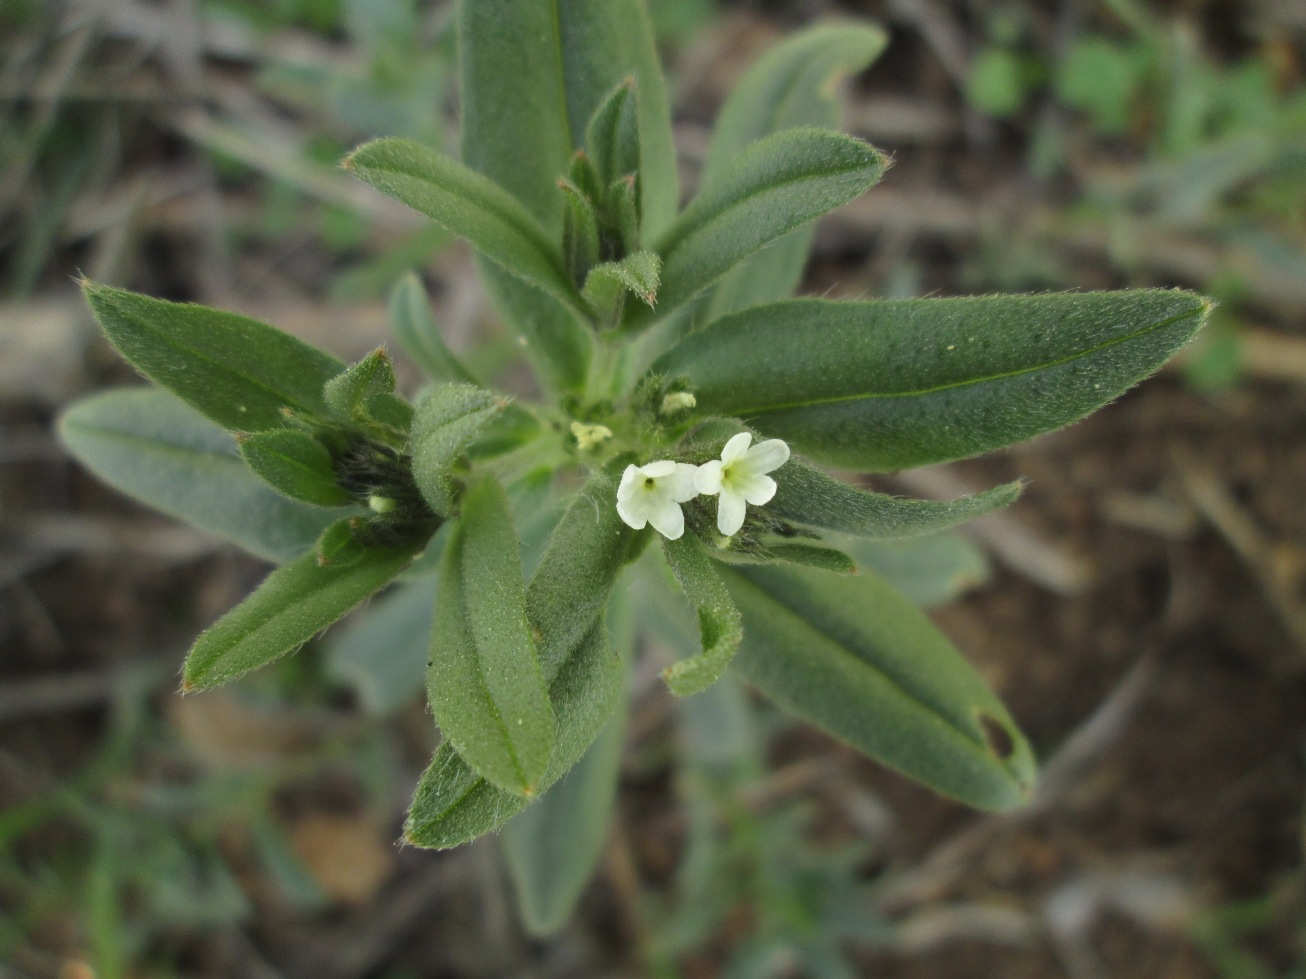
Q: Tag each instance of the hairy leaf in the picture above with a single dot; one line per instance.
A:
(447, 421)
(484, 681)
(292, 605)
(419, 336)
(807, 496)
(469, 205)
(890, 384)
(855, 658)
(719, 623)
(294, 464)
(774, 186)
(237, 371)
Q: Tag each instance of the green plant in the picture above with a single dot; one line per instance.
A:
(679, 381)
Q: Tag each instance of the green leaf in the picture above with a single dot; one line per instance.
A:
(794, 84)
(719, 623)
(855, 658)
(552, 848)
(149, 444)
(774, 186)
(607, 284)
(294, 464)
(292, 605)
(237, 371)
(891, 384)
(807, 554)
(447, 421)
(612, 136)
(363, 395)
(484, 681)
(419, 336)
(580, 231)
(469, 205)
(339, 543)
(807, 496)
(564, 603)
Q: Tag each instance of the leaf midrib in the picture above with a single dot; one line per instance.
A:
(922, 392)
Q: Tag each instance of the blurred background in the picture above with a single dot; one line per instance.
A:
(1141, 609)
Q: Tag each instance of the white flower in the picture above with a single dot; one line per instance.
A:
(739, 477)
(652, 494)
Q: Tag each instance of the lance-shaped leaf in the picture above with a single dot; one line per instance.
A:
(774, 186)
(235, 370)
(292, 605)
(149, 444)
(580, 231)
(363, 395)
(484, 680)
(855, 658)
(886, 385)
(468, 204)
(807, 496)
(607, 284)
(794, 84)
(719, 623)
(447, 421)
(294, 464)
(419, 336)
(552, 848)
(564, 603)
(612, 135)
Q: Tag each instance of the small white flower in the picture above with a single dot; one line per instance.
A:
(739, 476)
(677, 401)
(652, 494)
(590, 436)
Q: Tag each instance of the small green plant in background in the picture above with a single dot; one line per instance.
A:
(687, 405)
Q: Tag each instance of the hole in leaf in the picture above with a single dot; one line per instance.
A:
(997, 736)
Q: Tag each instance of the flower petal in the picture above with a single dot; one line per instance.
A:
(708, 478)
(627, 486)
(758, 490)
(766, 456)
(632, 516)
(736, 447)
(658, 469)
(667, 520)
(680, 484)
(729, 513)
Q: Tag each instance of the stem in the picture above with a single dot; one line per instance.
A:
(603, 364)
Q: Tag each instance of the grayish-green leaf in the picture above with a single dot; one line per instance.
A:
(469, 205)
(927, 570)
(381, 653)
(339, 543)
(774, 186)
(447, 421)
(237, 371)
(794, 84)
(807, 496)
(890, 384)
(552, 848)
(484, 680)
(295, 464)
(719, 623)
(149, 444)
(852, 656)
(292, 605)
(564, 603)
(418, 334)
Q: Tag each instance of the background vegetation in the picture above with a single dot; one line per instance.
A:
(1141, 609)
